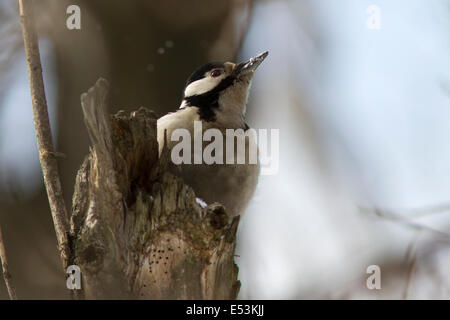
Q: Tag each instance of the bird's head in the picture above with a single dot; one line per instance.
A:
(220, 89)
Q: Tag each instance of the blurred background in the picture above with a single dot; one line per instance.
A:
(360, 93)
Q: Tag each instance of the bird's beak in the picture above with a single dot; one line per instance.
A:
(250, 65)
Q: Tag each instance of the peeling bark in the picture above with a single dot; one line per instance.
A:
(137, 230)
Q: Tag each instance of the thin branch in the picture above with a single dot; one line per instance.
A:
(47, 156)
(411, 261)
(427, 211)
(6, 274)
(404, 220)
(415, 213)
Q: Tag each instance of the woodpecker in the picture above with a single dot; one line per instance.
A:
(215, 96)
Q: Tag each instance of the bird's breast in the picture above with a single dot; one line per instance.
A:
(228, 170)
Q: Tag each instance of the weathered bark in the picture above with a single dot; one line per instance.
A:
(137, 230)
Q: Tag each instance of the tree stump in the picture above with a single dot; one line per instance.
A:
(137, 231)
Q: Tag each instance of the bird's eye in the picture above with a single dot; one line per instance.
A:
(216, 73)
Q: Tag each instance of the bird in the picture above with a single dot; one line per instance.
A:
(215, 97)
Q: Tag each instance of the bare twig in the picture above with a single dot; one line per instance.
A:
(416, 213)
(404, 220)
(428, 211)
(411, 261)
(43, 132)
(411, 268)
(6, 274)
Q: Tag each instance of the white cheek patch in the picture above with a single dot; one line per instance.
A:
(203, 85)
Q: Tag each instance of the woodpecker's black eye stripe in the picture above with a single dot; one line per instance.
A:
(207, 101)
(200, 72)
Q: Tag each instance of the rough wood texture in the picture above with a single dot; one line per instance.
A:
(137, 230)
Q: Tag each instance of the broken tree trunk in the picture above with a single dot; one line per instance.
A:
(138, 231)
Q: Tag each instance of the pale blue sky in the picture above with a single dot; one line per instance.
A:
(378, 114)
